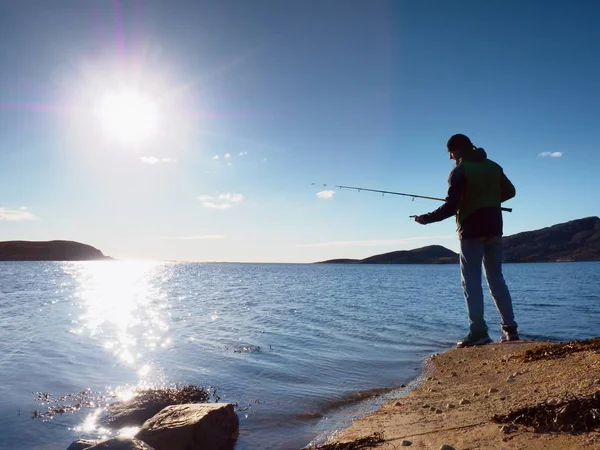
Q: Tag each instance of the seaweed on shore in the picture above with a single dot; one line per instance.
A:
(571, 415)
(559, 350)
(358, 444)
(174, 396)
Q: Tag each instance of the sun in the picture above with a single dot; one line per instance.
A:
(128, 116)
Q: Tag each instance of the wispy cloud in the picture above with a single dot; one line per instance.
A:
(196, 237)
(325, 194)
(243, 153)
(227, 156)
(221, 201)
(550, 154)
(215, 158)
(375, 242)
(155, 160)
(15, 215)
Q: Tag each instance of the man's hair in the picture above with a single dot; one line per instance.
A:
(460, 143)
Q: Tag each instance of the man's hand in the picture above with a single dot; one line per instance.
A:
(420, 219)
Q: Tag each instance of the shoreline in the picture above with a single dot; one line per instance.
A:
(454, 398)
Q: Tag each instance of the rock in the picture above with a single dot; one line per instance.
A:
(450, 406)
(405, 443)
(453, 374)
(438, 411)
(492, 390)
(81, 444)
(204, 426)
(425, 405)
(446, 447)
(510, 379)
(121, 443)
(464, 401)
(148, 403)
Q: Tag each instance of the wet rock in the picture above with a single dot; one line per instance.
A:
(405, 443)
(212, 426)
(121, 443)
(150, 402)
(81, 444)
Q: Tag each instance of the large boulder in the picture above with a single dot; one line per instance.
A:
(147, 403)
(209, 426)
(118, 443)
(81, 444)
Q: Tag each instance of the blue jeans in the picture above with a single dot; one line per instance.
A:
(489, 251)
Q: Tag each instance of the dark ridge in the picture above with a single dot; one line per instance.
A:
(432, 254)
(48, 251)
(576, 240)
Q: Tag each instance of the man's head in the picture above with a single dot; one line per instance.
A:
(458, 145)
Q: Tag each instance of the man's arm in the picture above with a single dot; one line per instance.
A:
(456, 182)
(508, 190)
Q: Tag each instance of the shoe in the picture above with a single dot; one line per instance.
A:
(473, 339)
(509, 334)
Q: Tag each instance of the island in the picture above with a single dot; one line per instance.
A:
(575, 240)
(49, 251)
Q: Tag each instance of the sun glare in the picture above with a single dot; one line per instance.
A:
(128, 116)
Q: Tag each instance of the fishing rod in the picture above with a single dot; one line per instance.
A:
(401, 193)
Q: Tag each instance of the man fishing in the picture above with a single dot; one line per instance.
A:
(476, 188)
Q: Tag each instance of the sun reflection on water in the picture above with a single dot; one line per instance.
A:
(124, 307)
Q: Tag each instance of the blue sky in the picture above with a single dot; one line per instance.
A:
(245, 104)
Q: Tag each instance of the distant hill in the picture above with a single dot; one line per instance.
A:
(48, 251)
(432, 254)
(576, 240)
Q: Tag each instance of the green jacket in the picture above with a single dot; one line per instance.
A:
(477, 186)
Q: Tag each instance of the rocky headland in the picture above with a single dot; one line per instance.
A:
(49, 251)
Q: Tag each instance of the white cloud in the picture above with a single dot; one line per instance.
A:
(216, 158)
(222, 201)
(15, 215)
(229, 164)
(550, 154)
(325, 194)
(155, 160)
(243, 153)
(227, 155)
(375, 242)
(196, 237)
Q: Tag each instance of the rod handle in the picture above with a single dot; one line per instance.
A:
(506, 209)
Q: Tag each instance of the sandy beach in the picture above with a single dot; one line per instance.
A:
(463, 389)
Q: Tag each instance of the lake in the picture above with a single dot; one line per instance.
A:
(292, 344)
